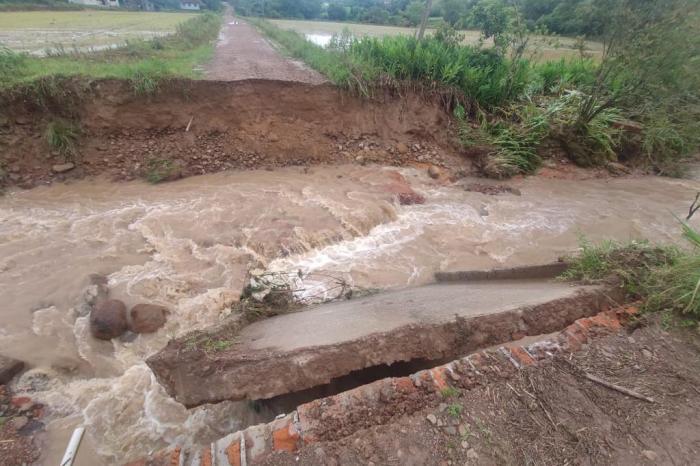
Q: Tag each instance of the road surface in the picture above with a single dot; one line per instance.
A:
(243, 53)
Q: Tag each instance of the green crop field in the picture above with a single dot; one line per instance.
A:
(543, 48)
(36, 31)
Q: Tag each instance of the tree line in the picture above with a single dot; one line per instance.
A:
(568, 17)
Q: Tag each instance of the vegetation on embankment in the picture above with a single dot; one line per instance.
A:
(639, 103)
(665, 278)
(143, 62)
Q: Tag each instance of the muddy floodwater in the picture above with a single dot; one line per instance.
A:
(188, 245)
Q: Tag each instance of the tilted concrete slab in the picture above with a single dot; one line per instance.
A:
(297, 351)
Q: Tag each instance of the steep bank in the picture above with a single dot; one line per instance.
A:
(195, 127)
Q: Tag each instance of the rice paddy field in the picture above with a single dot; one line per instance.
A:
(35, 32)
(542, 48)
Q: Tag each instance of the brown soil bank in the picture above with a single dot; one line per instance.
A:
(196, 127)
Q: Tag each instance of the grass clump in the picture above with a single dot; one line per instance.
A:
(62, 137)
(449, 392)
(207, 343)
(454, 410)
(159, 170)
(665, 278)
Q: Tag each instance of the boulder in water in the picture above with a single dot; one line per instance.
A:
(147, 318)
(108, 319)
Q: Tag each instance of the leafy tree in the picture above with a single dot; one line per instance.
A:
(376, 15)
(413, 12)
(337, 12)
(452, 11)
(492, 17)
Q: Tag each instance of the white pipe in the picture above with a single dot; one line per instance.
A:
(72, 448)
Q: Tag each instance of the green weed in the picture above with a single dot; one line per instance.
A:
(62, 136)
(449, 392)
(158, 170)
(454, 410)
(206, 343)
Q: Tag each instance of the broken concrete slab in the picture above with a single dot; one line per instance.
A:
(297, 351)
(9, 367)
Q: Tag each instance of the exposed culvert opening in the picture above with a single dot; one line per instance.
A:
(283, 404)
(288, 402)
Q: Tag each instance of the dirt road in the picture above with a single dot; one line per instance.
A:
(242, 53)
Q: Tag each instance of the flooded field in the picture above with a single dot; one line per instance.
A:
(36, 31)
(320, 33)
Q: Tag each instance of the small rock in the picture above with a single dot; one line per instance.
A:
(472, 454)
(359, 159)
(434, 172)
(450, 430)
(63, 167)
(9, 367)
(19, 422)
(108, 319)
(463, 430)
(431, 418)
(646, 353)
(22, 120)
(402, 148)
(442, 407)
(440, 423)
(147, 318)
(651, 455)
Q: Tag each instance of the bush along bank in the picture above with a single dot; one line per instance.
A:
(665, 278)
(638, 104)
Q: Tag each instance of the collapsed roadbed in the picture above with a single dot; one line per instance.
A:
(293, 352)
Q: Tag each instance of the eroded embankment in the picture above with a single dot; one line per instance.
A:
(195, 127)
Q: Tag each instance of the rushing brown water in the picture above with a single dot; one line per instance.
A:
(189, 244)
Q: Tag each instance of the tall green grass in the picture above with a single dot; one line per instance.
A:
(480, 76)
